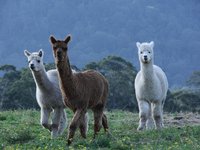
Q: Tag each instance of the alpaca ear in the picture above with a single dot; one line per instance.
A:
(41, 53)
(67, 39)
(27, 53)
(152, 44)
(52, 39)
(138, 44)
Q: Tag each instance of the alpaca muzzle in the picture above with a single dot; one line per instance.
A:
(32, 66)
(145, 58)
(59, 55)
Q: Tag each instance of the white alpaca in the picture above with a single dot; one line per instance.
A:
(48, 94)
(151, 87)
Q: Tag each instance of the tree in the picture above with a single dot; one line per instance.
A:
(17, 90)
(194, 79)
(7, 68)
(10, 76)
(171, 104)
(187, 100)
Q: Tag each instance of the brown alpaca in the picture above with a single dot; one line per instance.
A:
(80, 91)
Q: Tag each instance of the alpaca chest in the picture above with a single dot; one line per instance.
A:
(149, 91)
(49, 99)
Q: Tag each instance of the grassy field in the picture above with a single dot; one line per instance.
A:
(21, 130)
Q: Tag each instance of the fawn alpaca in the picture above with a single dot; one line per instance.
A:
(48, 94)
(80, 91)
(151, 87)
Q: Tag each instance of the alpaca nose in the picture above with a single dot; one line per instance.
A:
(32, 66)
(145, 57)
(58, 52)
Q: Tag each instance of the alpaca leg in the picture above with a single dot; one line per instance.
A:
(150, 123)
(74, 124)
(105, 122)
(84, 125)
(63, 122)
(163, 102)
(55, 122)
(157, 115)
(45, 113)
(98, 114)
(144, 109)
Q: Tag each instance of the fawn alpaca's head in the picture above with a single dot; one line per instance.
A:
(145, 52)
(60, 48)
(35, 60)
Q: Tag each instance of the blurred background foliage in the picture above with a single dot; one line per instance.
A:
(18, 88)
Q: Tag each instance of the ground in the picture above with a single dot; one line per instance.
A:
(20, 129)
(182, 119)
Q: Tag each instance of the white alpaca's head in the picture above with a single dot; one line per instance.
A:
(145, 52)
(35, 60)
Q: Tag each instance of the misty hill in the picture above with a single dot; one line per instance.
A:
(101, 28)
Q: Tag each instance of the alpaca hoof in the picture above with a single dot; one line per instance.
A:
(108, 134)
(83, 136)
(47, 126)
(106, 130)
(69, 141)
(60, 133)
(140, 128)
(54, 134)
(159, 127)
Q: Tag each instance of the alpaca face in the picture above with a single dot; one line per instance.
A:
(145, 52)
(60, 48)
(35, 60)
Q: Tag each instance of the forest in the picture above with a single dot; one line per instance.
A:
(102, 28)
(18, 88)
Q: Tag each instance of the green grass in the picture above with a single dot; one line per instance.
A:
(21, 130)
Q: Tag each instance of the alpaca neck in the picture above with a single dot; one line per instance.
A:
(41, 79)
(147, 71)
(66, 78)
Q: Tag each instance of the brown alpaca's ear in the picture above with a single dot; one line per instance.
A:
(52, 39)
(67, 39)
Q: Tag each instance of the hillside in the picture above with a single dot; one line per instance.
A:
(101, 28)
(20, 129)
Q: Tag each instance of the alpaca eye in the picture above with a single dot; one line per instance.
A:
(38, 61)
(149, 52)
(141, 52)
(29, 61)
